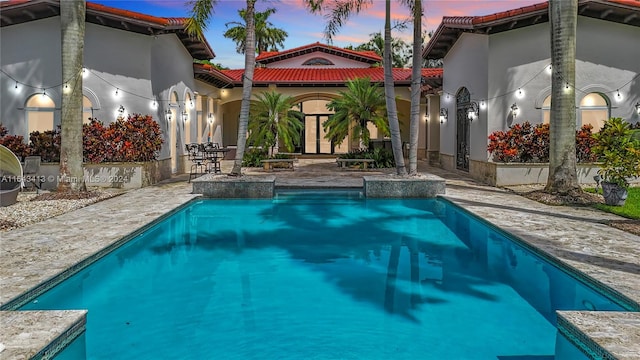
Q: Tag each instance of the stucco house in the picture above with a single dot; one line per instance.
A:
(312, 74)
(496, 73)
(133, 63)
(136, 63)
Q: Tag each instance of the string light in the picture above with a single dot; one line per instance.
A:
(520, 93)
(16, 87)
(618, 95)
(482, 104)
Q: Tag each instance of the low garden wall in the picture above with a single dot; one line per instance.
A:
(112, 175)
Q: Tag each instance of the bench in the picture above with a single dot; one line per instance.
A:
(344, 162)
(290, 155)
(270, 164)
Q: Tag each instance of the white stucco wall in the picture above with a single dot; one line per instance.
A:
(494, 67)
(38, 65)
(141, 67)
(464, 66)
(338, 61)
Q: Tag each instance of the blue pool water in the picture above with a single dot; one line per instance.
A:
(319, 276)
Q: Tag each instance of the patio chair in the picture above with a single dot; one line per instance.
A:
(198, 160)
(31, 170)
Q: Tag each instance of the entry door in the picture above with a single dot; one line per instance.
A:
(314, 141)
(463, 133)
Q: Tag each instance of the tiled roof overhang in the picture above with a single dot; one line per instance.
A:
(448, 32)
(368, 57)
(14, 12)
(431, 77)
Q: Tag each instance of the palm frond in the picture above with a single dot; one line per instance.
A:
(197, 22)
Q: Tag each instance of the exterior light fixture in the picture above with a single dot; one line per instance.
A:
(618, 95)
(472, 111)
(16, 87)
(154, 105)
(520, 93)
(190, 104)
(444, 114)
(85, 73)
(638, 108)
(44, 93)
(483, 104)
(117, 93)
(121, 110)
(185, 115)
(167, 114)
(514, 110)
(549, 69)
(210, 118)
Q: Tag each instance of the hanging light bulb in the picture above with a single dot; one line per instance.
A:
(85, 73)
(44, 93)
(154, 105)
(618, 95)
(483, 104)
(549, 69)
(117, 94)
(520, 93)
(16, 87)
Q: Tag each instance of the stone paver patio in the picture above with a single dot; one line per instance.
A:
(33, 255)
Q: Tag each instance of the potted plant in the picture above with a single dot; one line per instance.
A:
(619, 154)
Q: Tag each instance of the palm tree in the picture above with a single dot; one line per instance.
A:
(72, 24)
(273, 121)
(416, 77)
(268, 38)
(563, 179)
(390, 95)
(338, 14)
(196, 24)
(355, 108)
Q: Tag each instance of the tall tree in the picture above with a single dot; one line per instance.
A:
(416, 84)
(200, 14)
(362, 104)
(390, 95)
(273, 121)
(72, 24)
(337, 15)
(563, 178)
(400, 50)
(268, 37)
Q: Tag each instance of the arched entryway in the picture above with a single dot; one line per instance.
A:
(463, 99)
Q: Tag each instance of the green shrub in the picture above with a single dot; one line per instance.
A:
(252, 157)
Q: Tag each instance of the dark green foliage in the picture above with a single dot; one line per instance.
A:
(252, 157)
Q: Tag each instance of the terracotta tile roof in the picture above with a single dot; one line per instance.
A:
(364, 56)
(323, 76)
(621, 11)
(20, 11)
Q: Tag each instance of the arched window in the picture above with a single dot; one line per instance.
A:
(317, 61)
(546, 110)
(40, 109)
(594, 110)
(87, 110)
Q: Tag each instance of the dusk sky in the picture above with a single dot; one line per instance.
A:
(304, 28)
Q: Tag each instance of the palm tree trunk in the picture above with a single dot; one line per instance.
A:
(563, 17)
(416, 77)
(390, 95)
(247, 83)
(72, 24)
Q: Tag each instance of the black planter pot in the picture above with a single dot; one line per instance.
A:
(614, 194)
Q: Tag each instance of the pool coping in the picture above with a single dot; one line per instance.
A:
(177, 195)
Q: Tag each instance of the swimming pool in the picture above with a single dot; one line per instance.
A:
(321, 276)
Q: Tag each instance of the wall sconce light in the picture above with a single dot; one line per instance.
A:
(444, 114)
(210, 118)
(472, 111)
(121, 110)
(185, 115)
(638, 107)
(514, 110)
(167, 114)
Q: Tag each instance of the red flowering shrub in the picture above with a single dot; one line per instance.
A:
(15, 143)
(45, 144)
(526, 143)
(138, 138)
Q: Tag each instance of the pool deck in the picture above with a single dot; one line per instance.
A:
(32, 255)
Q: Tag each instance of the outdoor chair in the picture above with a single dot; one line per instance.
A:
(198, 160)
(31, 170)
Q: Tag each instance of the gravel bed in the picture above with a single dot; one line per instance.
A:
(32, 208)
